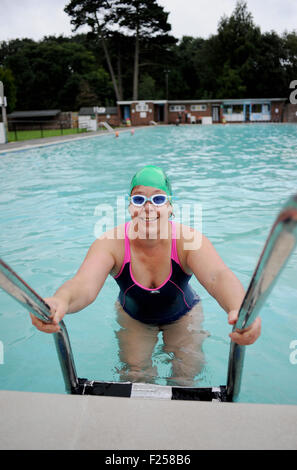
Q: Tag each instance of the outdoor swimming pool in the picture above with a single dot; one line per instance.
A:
(241, 175)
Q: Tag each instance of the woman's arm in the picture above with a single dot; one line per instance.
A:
(223, 285)
(80, 291)
(83, 288)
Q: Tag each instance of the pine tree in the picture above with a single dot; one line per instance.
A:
(144, 18)
(98, 14)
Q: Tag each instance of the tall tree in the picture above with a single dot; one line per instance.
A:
(144, 18)
(237, 41)
(98, 14)
(290, 60)
(7, 78)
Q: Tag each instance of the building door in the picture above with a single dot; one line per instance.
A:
(247, 112)
(215, 114)
(125, 111)
(159, 112)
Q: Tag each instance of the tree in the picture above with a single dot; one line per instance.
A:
(98, 15)
(231, 84)
(144, 18)
(147, 87)
(237, 42)
(49, 74)
(268, 78)
(7, 78)
(290, 56)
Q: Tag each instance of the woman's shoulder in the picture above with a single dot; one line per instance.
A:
(188, 238)
(115, 234)
(112, 240)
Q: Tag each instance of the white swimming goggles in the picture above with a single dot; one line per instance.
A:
(157, 200)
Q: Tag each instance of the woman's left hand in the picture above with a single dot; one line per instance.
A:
(248, 335)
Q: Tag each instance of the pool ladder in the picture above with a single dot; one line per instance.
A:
(279, 246)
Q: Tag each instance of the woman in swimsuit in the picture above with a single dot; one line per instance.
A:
(150, 259)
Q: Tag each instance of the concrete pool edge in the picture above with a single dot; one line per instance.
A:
(51, 421)
(22, 145)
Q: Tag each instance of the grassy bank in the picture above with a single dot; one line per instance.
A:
(37, 134)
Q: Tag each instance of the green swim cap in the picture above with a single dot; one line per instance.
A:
(154, 176)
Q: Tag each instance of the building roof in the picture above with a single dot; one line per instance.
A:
(194, 101)
(218, 101)
(37, 114)
(143, 101)
(98, 109)
(252, 100)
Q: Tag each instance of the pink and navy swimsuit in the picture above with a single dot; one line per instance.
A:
(164, 304)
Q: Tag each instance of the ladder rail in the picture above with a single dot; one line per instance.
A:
(279, 246)
(14, 285)
(106, 125)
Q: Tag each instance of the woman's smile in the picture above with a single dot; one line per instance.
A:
(146, 218)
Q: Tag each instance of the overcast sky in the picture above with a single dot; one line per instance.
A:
(38, 18)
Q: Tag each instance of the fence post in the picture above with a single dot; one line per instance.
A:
(3, 105)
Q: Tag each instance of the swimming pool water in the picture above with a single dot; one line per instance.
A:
(241, 175)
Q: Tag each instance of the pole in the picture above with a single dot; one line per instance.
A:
(30, 300)
(167, 83)
(277, 250)
(3, 108)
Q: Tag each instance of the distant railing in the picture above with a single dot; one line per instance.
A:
(32, 129)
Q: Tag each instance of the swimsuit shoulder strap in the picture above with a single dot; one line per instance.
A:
(174, 254)
(127, 256)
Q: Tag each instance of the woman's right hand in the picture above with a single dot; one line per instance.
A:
(59, 308)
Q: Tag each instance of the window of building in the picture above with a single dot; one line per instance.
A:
(257, 108)
(237, 109)
(141, 107)
(227, 109)
(198, 107)
(177, 108)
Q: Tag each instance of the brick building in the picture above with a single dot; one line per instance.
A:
(290, 113)
(142, 113)
(204, 111)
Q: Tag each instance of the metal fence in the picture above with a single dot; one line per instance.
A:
(41, 129)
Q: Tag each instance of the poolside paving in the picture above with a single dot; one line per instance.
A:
(51, 421)
(27, 144)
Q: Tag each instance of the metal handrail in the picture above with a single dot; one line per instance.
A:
(279, 246)
(28, 298)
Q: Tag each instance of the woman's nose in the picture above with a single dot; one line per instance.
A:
(148, 207)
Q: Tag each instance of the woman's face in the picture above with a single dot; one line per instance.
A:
(148, 219)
